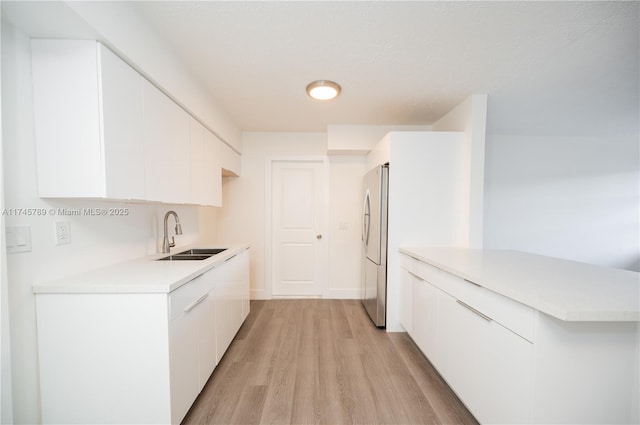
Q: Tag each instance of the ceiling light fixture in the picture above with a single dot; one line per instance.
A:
(323, 90)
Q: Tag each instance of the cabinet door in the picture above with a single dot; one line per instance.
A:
(186, 311)
(245, 284)
(122, 127)
(425, 322)
(229, 301)
(67, 118)
(207, 331)
(183, 353)
(457, 330)
(406, 301)
(167, 147)
(230, 161)
(206, 177)
(503, 384)
(213, 170)
(225, 317)
(489, 367)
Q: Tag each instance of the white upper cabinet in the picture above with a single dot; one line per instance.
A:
(121, 127)
(206, 174)
(167, 145)
(88, 121)
(230, 161)
(104, 131)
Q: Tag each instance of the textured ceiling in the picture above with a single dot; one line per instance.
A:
(562, 68)
(545, 65)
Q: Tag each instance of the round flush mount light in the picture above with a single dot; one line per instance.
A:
(323, 90)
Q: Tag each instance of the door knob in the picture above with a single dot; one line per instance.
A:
(319, 237)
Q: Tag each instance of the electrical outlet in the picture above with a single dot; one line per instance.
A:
(63, 232)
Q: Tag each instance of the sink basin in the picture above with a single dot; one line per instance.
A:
(202, 251)
(182, 257)
(196, 254)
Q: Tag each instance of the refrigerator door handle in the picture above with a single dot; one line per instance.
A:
(366, 220)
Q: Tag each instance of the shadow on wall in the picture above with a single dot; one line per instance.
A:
(569, 197)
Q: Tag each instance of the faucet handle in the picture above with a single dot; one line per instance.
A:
(173, 242)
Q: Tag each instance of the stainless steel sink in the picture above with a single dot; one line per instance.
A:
(178, 257)
(202, 251)
(196, 254)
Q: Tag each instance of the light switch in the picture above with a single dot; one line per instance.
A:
(18, 239)
(343, 225)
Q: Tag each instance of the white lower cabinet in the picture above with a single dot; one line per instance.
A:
(487, 365)
(192, 342)
(230, 299)
(425, 322)
(406, 300)
(511, 364)
(114, 358)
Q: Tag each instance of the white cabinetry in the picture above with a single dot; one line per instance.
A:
(230, 162)
(88, 122)
(105, 132)
(168, 173)
(510, 363)
(230, 298)
(406, 294)
(192, 342)
(487, 364)
(206, 173)
(136, 358)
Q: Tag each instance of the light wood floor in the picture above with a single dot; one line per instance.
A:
(323, 362)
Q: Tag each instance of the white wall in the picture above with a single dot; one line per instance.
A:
(345, 225)
(96, 241)
(6, 401)
(470, 116)
(569, 197)
(360, 139)
(242, 217)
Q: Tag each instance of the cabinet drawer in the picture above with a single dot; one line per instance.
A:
(186, 297)
(511, 314)
(406, 262)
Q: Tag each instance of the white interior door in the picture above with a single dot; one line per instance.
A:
(297, 199)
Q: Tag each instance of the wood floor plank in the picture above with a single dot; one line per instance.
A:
(323, 362)
(281, 385)
(330, 382)
(371, 341)
(447, 407)
(248, 411)
(306, 395)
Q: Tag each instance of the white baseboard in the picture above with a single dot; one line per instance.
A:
(259, 294)
(343, 294)
(330, 294)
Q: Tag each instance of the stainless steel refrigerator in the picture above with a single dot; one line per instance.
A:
(374, 243)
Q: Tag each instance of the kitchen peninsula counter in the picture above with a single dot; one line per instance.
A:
(566, 290)
(523, 338)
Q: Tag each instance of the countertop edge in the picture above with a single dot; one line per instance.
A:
(552, 309)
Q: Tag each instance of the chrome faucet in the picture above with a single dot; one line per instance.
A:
(166, 245)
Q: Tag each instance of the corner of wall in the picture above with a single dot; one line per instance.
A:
(470, 116)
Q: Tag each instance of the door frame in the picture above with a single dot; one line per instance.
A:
(324, 226)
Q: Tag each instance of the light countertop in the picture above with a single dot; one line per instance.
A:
(567, 290)
(142, 275)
